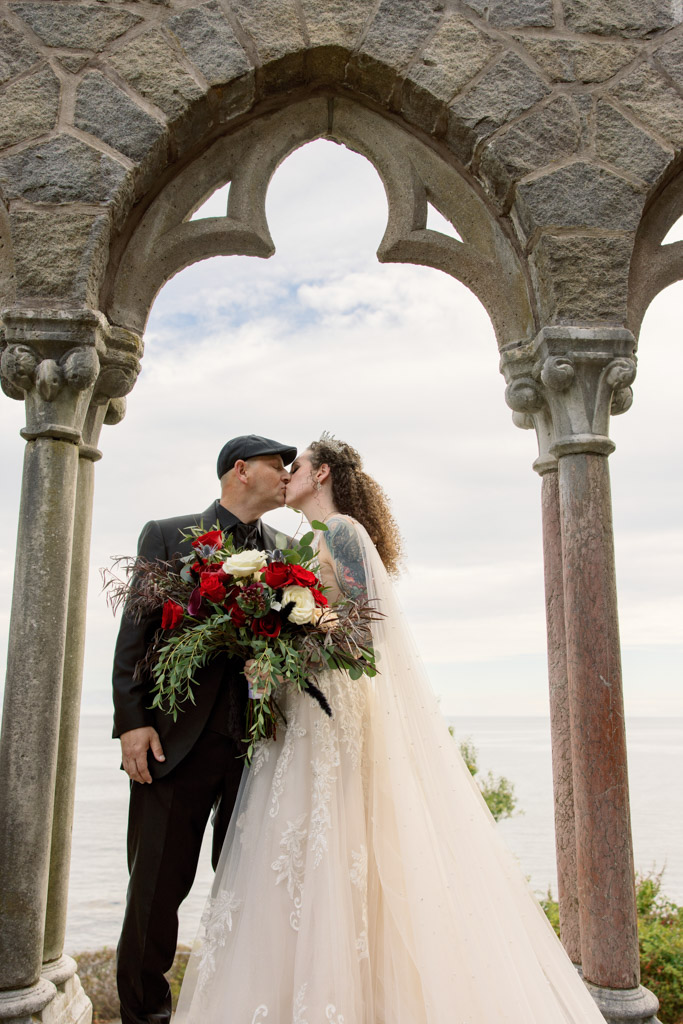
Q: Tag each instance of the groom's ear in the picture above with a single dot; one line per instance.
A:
(240, 469)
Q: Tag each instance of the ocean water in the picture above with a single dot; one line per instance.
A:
(518, 748)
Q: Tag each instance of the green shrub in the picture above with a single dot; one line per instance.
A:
(660, 934)
(499, 793)
(97, 972)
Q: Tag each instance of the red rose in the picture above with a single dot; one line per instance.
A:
(214, 538)
(302, 576)
(213, 567)
(320, 599)
(210, 586)
(171, 615)
(267, 625)
(277, 575)
(237, 616)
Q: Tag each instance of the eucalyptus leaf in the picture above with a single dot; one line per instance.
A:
(317, 525)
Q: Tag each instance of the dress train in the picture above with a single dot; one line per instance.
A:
(362, 880)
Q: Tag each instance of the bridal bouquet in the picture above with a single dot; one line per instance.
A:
(266, 608)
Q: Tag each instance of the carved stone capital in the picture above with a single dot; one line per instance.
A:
(120, 364)
(57, 361)
(569, 381)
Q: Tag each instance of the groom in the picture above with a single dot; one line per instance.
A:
(180, 770)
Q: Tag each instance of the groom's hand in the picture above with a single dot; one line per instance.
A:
(134, 746)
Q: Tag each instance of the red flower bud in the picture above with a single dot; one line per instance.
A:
(267, 625)
(277, 575)
(303, 577)
(171, 615)
(214, 538)
(210, 586)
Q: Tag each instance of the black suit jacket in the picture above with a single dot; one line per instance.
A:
(161, 539)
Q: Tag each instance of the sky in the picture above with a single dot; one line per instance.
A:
(401, 362)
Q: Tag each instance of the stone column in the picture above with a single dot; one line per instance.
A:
(537, 415)
(55, 361)
(560, 723)
(57, 967)
(579, 376)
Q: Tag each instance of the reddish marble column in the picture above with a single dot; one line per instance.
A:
(560, 727)
(607, 910)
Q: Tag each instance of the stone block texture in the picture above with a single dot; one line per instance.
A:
(153, 65)
(60, 170)
(503, 92)
(105, 111)
(580, 195)
(16, 54)
(564, 113)
(336, 23)
(207, 39)
(29, 107)
(508, 13)
(581, 279)
(625, 17)
(87, 27)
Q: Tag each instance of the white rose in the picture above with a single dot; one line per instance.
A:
(304, 604)
(244, 563)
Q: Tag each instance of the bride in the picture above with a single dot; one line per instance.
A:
(362, 880)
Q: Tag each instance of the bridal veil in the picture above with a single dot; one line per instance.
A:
(410, 909)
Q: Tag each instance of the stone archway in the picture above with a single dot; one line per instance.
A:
(543, 132)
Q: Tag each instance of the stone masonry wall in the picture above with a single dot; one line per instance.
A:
(566, 114)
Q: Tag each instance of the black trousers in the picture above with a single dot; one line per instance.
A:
(166, 824)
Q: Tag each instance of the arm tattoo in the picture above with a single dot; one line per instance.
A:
(344, 546)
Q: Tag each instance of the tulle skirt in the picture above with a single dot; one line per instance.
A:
(362, 879)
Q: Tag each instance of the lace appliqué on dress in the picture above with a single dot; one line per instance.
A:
(290, 865)
(325, 742)
(260, 756)
(299, 1008)
(294, 731)
(332, 1016)
(349, 707)
(359, 878)
(217, 923)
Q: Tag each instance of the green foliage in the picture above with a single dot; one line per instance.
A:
(499, 793)
(97, 973)
(552, 910)
(660, 933)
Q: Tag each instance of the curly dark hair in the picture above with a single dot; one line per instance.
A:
(357, 494)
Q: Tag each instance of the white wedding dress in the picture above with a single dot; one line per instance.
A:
(362, 879)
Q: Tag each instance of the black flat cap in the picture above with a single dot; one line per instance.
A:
(247, 447)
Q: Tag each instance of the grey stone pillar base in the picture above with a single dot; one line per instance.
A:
(70, 1005)
(627, 1005)
(19, 1006)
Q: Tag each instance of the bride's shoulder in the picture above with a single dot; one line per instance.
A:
(337, 517)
